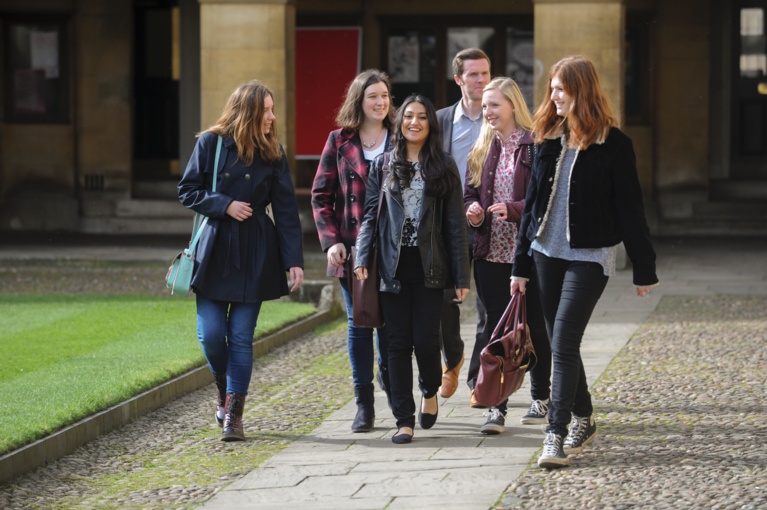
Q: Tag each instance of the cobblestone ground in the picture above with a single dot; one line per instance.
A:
(681, 417)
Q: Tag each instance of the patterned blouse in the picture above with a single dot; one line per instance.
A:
(503, 234)
(412, 198)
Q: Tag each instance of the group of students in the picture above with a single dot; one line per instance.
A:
(536, 204)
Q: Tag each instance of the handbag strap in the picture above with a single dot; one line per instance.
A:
(200, 225)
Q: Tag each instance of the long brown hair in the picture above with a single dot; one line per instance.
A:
(241, 120)
(481, 148)
(350, 115)
(590, 116)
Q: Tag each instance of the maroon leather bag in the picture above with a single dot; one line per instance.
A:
(366, 305)
(507, 356)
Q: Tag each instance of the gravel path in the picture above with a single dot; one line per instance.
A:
(681, 417)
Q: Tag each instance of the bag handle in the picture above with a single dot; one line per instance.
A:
(199, 226)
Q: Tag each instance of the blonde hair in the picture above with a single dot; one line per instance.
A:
(481, 148)
(241, 120)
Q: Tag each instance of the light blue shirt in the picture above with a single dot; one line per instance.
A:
(465, 133)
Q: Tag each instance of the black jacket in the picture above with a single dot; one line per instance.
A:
(605, 203)
(441, 233)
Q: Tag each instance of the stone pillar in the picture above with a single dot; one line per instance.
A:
(241, 40)
(592, 28)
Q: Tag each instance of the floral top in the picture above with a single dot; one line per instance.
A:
(503, 234)
(412, 199)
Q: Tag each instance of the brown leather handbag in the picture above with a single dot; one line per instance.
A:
(508, 355)
(366, 305)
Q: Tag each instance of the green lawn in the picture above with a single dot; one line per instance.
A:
(64, 358)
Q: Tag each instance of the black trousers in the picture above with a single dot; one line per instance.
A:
(569, 292)
(494, 289)
(412, 325)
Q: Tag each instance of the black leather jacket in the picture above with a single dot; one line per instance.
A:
(441, 233)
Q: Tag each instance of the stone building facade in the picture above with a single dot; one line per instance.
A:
(101, 99)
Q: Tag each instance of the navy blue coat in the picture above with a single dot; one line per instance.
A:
(242, 262)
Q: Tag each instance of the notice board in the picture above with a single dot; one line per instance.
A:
(327, 60)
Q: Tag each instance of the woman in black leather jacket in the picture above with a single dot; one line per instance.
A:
(422, 250)
(583, 199)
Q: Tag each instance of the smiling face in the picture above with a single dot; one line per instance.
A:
(415, 124)
(268, 117)
(562, 100)
(498, 112)
(375, 102)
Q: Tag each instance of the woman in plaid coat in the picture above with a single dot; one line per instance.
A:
(338, 200)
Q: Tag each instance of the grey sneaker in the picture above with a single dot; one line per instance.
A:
(582, 431)
(538, 413)
(553, 455)
(495, 423)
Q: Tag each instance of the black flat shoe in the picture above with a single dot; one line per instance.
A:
(403, 438)
(427, 420)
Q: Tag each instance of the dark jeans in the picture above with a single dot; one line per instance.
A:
(359, 344)
(494, 289)
(412, 324)
(569, 292)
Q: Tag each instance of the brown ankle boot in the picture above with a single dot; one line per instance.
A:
(220, 399)
(233, 430)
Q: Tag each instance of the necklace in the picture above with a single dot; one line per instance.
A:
(371, 145)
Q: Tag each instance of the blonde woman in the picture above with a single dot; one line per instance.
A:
(498, 172)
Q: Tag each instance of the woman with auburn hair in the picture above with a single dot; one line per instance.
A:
(338, 197)
(494, 196)
(421, 243)
(242, 257)
(584, 198)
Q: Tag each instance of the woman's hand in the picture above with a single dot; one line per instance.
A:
(643, 291)
(240, 211)
(337, 255)
(518, 284)
(297, 277)
(460, 295)
(361, 273)
(475, 214)
(499, 210)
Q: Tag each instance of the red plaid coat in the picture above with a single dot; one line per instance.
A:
(338, 192)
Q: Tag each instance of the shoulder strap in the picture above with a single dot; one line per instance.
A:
(198, 224)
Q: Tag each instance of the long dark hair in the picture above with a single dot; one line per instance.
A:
(432, 157)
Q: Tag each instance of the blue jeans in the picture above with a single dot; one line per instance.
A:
(225, 331)
(360, 345)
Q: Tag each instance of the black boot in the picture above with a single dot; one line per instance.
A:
(233, 429)
(220, 399)
(366, 414)
(382, 376)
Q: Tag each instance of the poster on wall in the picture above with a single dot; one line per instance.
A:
(327, 60)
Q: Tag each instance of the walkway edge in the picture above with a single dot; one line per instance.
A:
(68, 439)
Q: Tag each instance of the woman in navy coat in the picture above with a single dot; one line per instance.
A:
(242, 255)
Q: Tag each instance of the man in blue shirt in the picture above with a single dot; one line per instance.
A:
(460, 124)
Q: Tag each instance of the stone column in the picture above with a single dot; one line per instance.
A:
(241, 40)
(594, 29)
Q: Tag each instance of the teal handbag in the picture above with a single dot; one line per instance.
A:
(179, 276)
